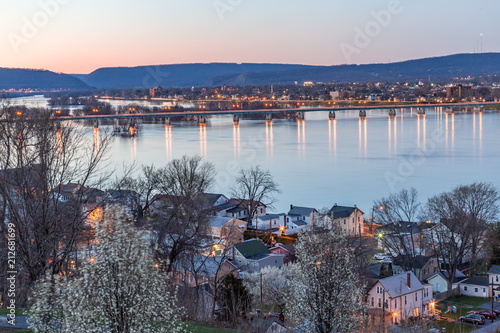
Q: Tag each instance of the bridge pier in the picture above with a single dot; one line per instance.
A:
(236, 118)
(421, 111)
(331, 115)
(362, 114)
(392, 112)
(300, 115)
(269, 116)
(167, 120)
(202, 120)
(96, 123)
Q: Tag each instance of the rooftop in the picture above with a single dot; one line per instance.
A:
(251, 248)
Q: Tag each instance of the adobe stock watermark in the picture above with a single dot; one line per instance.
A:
(224, 6)
(154, 77)
(31, 26)
(372, 29)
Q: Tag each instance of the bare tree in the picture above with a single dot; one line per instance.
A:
(464, 215)
(401, 233)
(181, 224)
(255, 186)
(38, 157)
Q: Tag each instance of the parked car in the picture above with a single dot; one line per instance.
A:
(497, 312)
(379, 256)
(473, 318)
(486, 314)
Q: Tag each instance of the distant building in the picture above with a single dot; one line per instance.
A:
(155, 92)
(350, 219)
(252, 255)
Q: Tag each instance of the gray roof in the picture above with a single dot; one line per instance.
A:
(459, 276)
(268, 217)
(299, 222)
(204, 265)
(338, 212)
(211, 198)
(224, 206)
(495, 269)
(301, 211)
(396, 285)
(477, 280)
(219, 221)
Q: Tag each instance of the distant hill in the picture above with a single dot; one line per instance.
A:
(17, 78)
(186, 75)
(180, 75)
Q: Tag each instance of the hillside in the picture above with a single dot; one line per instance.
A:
(186, 75)
(17, 78)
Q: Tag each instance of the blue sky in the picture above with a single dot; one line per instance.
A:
(79, 36)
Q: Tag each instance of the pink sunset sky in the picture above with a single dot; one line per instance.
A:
(75, 36)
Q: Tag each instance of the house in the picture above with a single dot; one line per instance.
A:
(295, 226)
(409, 238)
(306, 214)
(243, 207)
(439, 281)
(228, 230)
(423, 266)
(494, 278)
(271, 222)
(476, 286)
(129, 199)
(70, 191)
(199, 269)
(401, 295)
(252, 255)
(350, 219)
(287, 250)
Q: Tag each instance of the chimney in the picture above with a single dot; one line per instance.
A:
(408, 280)
(291, 207)
(335, 205)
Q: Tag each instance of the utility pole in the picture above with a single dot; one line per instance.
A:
(383, 309)
(492, 299)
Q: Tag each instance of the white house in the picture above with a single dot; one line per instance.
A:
(494, 277)
(440, 283)
(403, 296)
(306, 214)
(476, 286)
(271, 222)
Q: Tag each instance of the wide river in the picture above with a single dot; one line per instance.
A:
(319, 162)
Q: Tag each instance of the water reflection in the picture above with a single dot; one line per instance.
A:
(480, 131)
(269, 138)
(301, 136)
(168, 141)
(389, 131)
(332, 135)
(236, 138)
(365, 123)
(424, 131)
(96, 139)
(203, 139)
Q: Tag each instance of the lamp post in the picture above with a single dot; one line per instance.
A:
(373, 217)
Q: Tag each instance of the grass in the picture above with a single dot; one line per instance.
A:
(467, 300)
(456, 327)
(19, 312)
(204, 328)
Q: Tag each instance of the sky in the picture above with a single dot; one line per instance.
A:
(80, 36)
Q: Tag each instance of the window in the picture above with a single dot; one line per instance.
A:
(372, 301)
(465, 288)
(275, 261)
(405, 300)
(475, 290)
(395, 303)
(379, 302)
(191, 278)
(484, 290)
(496, 278)
(378, 290)
(416, 296)
(435, 269)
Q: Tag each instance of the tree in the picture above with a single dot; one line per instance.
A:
(235, 300)
(181, 224)
(120, 290)
(464, 215)
(274, 285)
(38, 157)
(253, 187)
(400, 213)
(327, 295)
